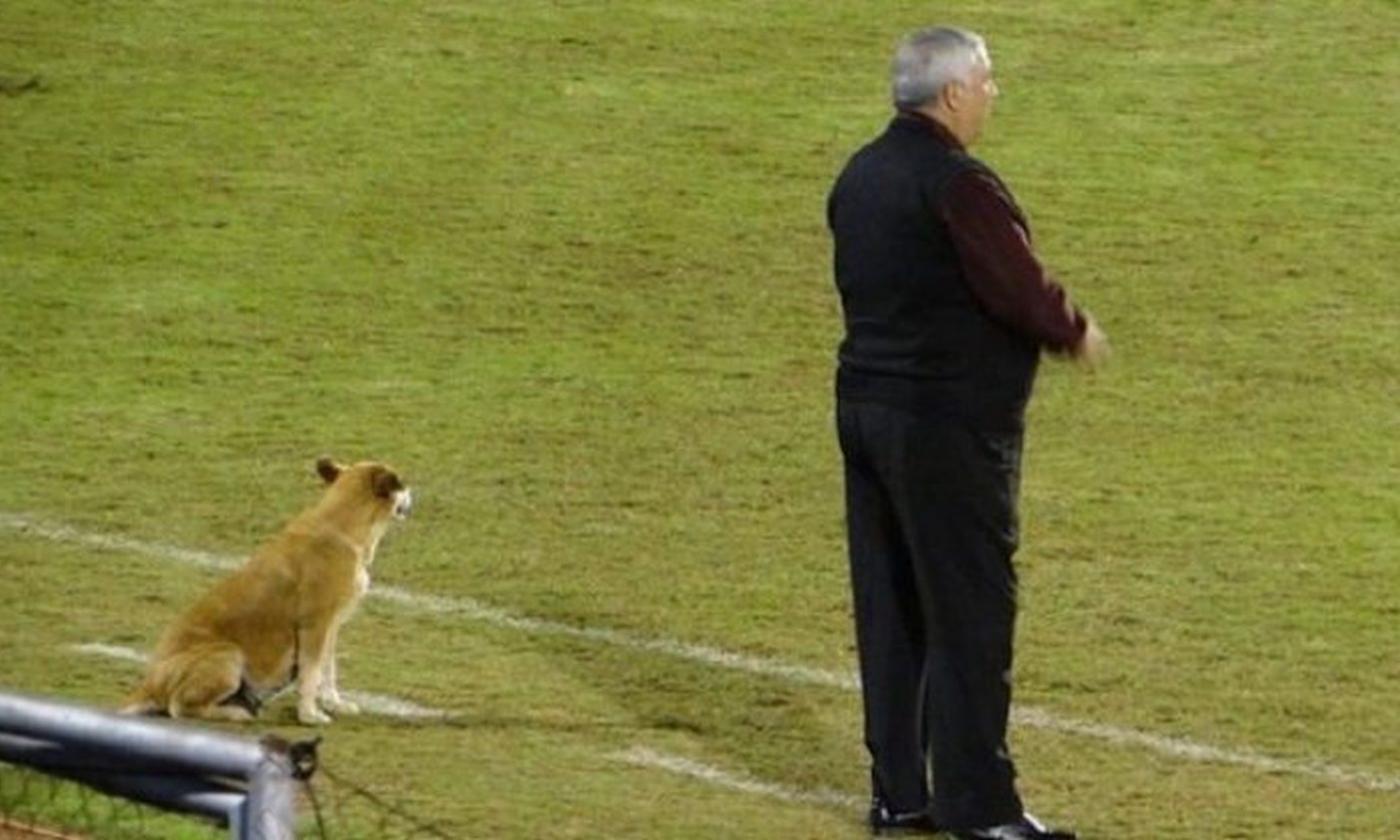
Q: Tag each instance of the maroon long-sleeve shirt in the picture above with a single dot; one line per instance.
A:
(993, 241)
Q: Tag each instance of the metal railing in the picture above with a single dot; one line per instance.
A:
(247, 786)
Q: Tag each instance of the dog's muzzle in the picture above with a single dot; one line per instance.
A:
(403, 503)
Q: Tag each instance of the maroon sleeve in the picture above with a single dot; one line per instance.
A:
(1006, 277)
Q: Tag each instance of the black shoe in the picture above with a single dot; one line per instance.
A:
(887, 823)
(1027, 828)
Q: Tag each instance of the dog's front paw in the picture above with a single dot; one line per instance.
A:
(338, 705)
(312, 716)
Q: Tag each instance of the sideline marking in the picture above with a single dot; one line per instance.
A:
(1205, 753)
(379, 704)
(798, 674)
(644, 757)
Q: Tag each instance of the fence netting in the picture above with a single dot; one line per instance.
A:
(330, 805)
(35, 804)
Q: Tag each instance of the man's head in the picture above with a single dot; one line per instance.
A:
(946, 74)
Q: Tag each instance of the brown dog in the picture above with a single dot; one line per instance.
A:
(276, 619)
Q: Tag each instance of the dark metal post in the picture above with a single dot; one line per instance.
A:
(172, 766)
(269, 811)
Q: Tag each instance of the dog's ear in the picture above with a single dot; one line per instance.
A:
(386, 483)
(327, 469)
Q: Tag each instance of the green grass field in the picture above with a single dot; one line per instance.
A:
(564, 264)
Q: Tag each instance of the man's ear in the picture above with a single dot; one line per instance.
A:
(386, 483)
(327, 469)
(951, 95)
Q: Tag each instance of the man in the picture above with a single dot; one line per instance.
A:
(946, 310)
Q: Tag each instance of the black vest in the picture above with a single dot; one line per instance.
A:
(915, 336)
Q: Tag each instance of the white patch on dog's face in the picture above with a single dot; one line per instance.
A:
(403, 503)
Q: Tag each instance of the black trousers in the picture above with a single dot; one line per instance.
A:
(932, 527)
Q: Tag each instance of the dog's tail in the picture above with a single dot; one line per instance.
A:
(139, 702)
(143, 700)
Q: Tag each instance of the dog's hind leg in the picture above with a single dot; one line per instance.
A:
(210, 677)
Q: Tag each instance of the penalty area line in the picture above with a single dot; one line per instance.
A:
(473, 610)
(644, 757)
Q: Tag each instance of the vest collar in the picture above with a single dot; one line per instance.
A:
(923, 122)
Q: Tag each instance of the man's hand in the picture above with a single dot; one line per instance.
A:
(1092, 351)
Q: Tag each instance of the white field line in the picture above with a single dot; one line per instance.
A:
(1207, 754)
(465, 607)
(383, 704)
(125, 654)
(644, 757)
(378, 704)
(474, 610)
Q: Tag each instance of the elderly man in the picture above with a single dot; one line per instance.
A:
(946, 310)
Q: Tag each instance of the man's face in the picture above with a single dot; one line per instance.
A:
(976, 97)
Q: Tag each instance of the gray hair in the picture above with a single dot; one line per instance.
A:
(929, 59)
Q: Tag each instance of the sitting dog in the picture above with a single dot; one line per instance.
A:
(276, 619)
